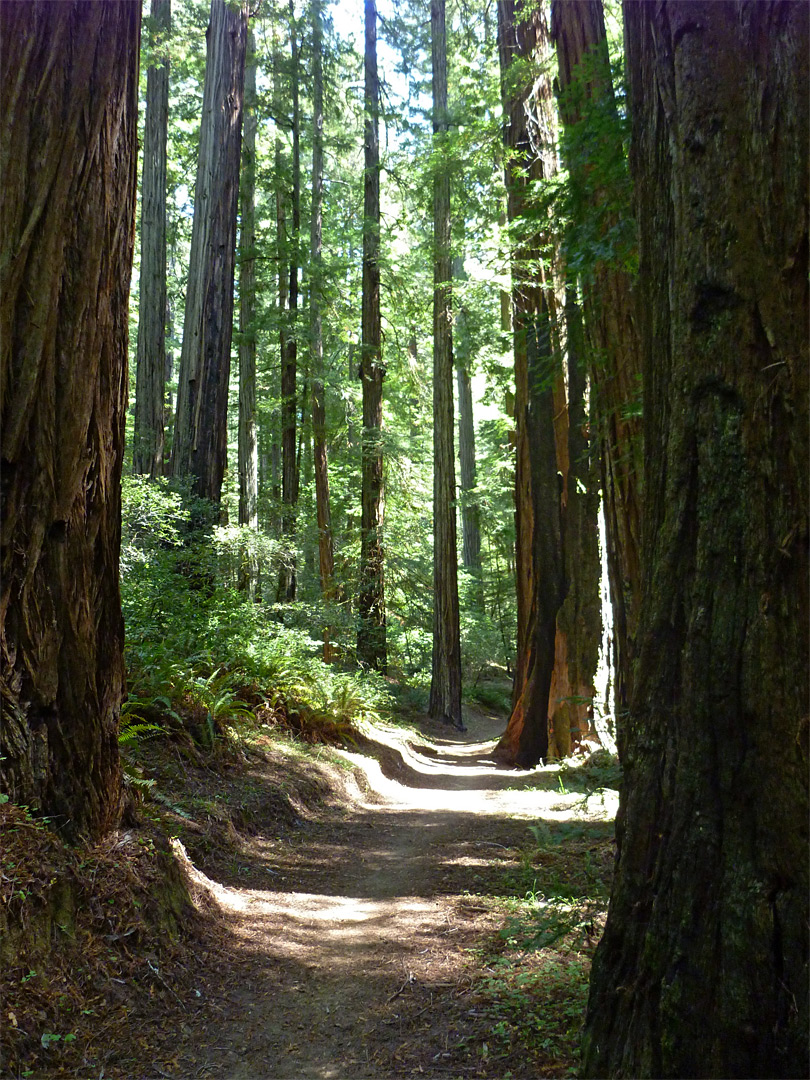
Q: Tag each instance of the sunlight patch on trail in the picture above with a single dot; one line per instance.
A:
(463, 778)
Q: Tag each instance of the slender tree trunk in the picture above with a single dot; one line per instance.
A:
(371, 646)
(248, 449)
(326, 557)
(445, 685)
(702, 969)
(68, 148)
(289, 349)
(168, 371)
(470, 524)
(147, 450)
(538, 555)
(200, 431)
(284, 414)
(578, 28)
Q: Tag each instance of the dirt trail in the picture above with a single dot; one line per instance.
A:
(349, 954)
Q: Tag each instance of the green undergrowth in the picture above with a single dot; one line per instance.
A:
(533, 985)
(205, 659)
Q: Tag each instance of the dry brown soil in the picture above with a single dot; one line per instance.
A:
(349, 910)
(351, 948)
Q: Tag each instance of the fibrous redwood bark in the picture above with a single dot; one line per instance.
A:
(200, 430)
(247, 446)
(68, 158)
(147, 442)
(579, 621)
(290, 469)
(371, 645)
(445, 684)
(592, 138)
(529, 141)
(326, 558)
(702, 969)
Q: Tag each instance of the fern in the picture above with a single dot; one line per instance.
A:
(131, 733)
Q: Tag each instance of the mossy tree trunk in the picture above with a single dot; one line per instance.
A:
(68, 154)
(150, 386)
(702, 969)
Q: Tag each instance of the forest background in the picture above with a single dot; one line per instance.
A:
(276, 557)
(272, 555)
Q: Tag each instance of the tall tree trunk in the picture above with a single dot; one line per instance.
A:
(702, 969)
(578, 28)
(147, 450)
(579, 621)
(538, 556)
(68, 148)
(371, 645)
(470, 523)
(200, 431)
(326, 556)
(445, 685)
(284, 413)
(289, 347)
(248, 450)
(168, 371)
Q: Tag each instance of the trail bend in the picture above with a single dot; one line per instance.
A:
(349, 955)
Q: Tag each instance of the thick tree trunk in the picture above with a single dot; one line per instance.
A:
(326, 558)
(371, 646)
(289, 349)
(445, 685)
(702, 970)
(578, 28)
(538, 555)
(68, 154)
(248, 450)
(147, 448)
(200, 430)
(579, 621)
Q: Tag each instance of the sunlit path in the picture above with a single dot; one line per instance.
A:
(384, 902)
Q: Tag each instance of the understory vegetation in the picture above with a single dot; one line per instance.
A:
(204, 657)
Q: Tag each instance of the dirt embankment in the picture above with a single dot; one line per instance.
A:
(347, 930)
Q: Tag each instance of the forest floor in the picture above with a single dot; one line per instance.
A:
(403, 909)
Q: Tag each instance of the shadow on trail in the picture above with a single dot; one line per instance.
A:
(351, 932)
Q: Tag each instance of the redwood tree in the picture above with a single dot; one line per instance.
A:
(371, 645)
(200, 431)
(147, 449)
(470, 518)
(68, 153)
(702, 969)
(326, 558)
(288, 302)
(593, 152)
(445, 685)
(528, 114)
(247, 446)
